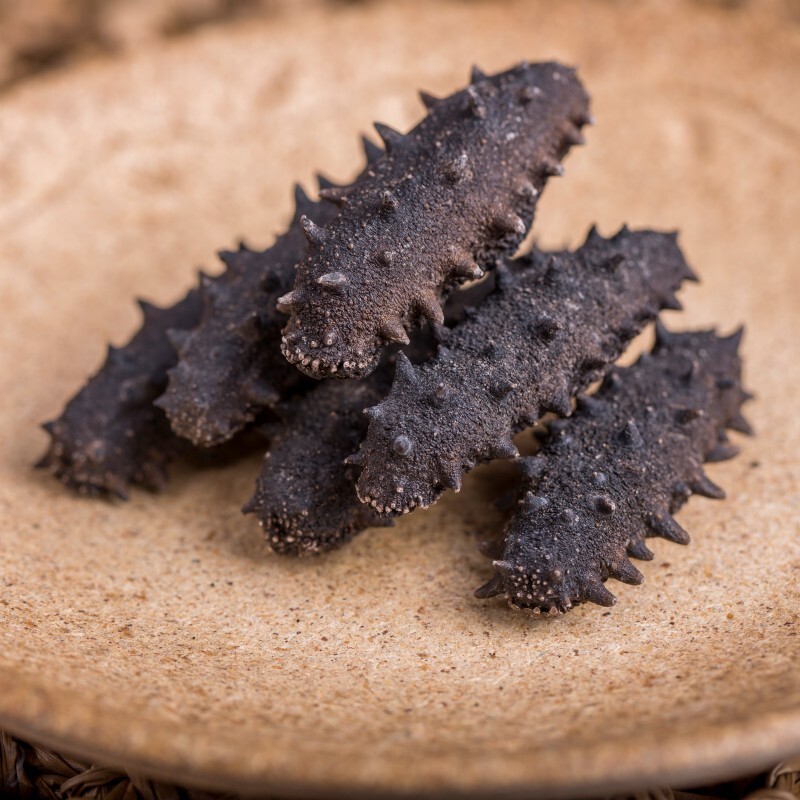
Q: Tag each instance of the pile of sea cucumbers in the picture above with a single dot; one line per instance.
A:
(393, 338)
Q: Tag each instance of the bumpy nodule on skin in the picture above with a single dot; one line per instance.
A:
(446, 200)
(110, 435)
(615, 473)
(543, 335)
(230, 367)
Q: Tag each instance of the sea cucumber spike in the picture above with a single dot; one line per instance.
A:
(629, 435)
(545, 326)
(552, 168)
(149, 311)
(428, 100)
(428, 306)
(450, 476)
(355, 459)
(404, 370)
(454, 180)
(705, 487)
(625, 572)
(598, 594)
(312, 231)
(605, 498)
(574, 136)
(457, 170)
(722, 452)
(503, 449)
(333, 280)
(740, 424)
(491, 588)
(303, 204)
(389, 202)
(371, 150)
(390, 137)
(393, 331)
(477, 75)
(508, 222)
(531, 468)
(335, 194)
(589, 305)
(638, 549)
(665, 526)
(460, 264)
(499, 389)
(671, 303)
(560, 403)
(231, 367)
(685, 416)
(288, 301)
(110, 436)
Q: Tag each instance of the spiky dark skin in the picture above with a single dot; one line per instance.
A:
(305, 497)
(230, 367)
(615, 473)
(445, 201)
(110, 435)
(543, 335)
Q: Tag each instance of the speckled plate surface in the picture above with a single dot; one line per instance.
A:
(162, 635)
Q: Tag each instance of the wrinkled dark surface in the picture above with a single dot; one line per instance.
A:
(446, 200)
(110, 435)
(615, 472)
(230, 367)
(545, 334)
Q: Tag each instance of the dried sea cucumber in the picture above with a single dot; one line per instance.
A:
(615, 473)
(230, 366)
(445, 201)
(539, 339)
(305, 496)
(110, 435)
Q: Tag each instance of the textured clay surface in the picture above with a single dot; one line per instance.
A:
(541, 337)
(162, 635)
(230, 367)
(110, 435)
(465, 180)
(617, 471)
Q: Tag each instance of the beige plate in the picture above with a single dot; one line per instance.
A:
(161, 634)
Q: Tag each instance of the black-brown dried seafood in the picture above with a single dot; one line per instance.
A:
(616, 472)
(446, 200)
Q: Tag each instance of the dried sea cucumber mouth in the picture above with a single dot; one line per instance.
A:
(444, 202)
(615, 473)
(541, 337)
(110, 435)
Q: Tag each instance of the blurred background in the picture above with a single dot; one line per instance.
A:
(41, 35)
